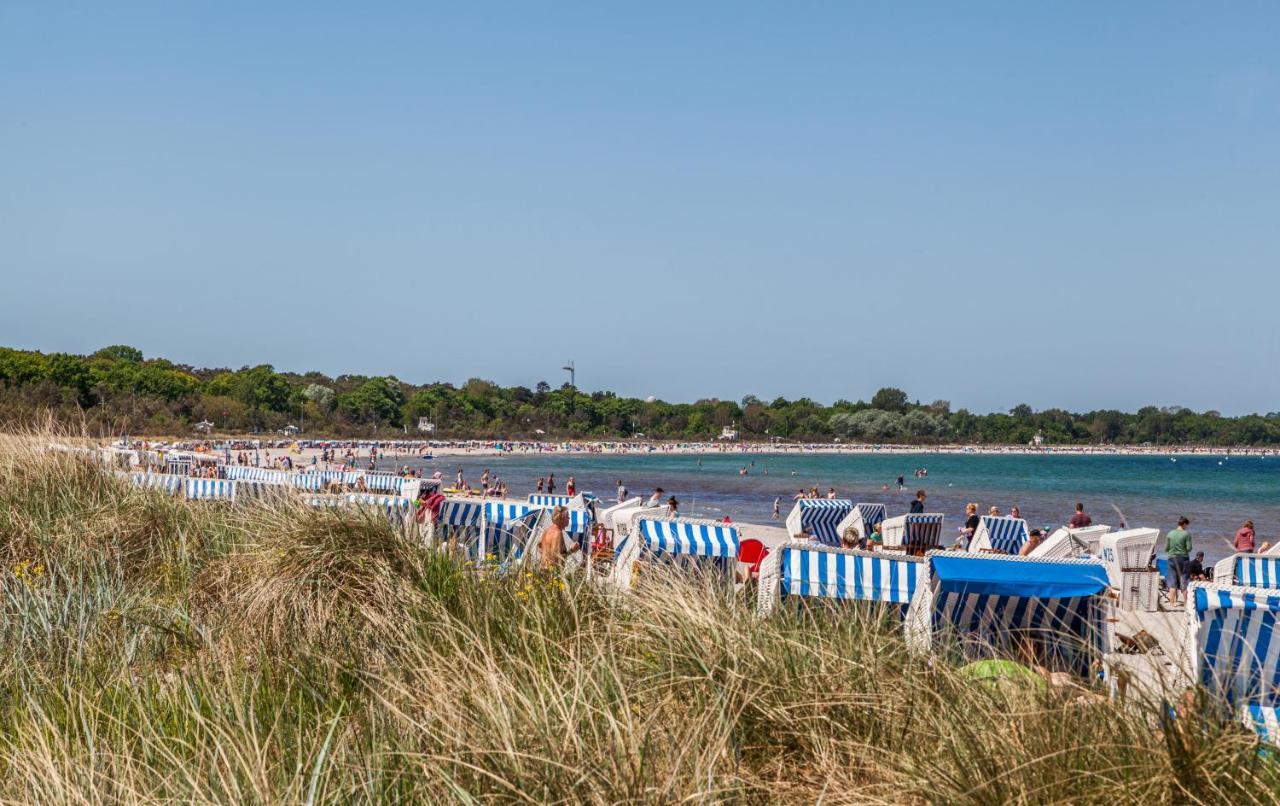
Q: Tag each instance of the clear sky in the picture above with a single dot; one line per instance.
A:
(1063, 204)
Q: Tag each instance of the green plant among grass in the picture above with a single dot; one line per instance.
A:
(154, 650)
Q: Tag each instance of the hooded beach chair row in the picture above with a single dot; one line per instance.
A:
(158, 481)
(997, 534)
(820, 517)
(1248, 570)
(263, 474)
(208, 489)
(804, 568)
(1004, 605)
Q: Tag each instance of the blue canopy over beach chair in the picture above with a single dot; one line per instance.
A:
(1248, 570)
(158, 481)
(999, 534)
(496, 531)
(1234, 650)
(697, 545)
(864, 518)
(206, 489)
(262, 474)
(1001, 605)
(399, 510)
(806, 569)
(313, 482)
(819, 517)
(460, 519)
(383, 482)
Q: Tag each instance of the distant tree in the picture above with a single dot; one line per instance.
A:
(890, 399)
(1021, 411)
(120, 352)
(322, 396)
(542, 388)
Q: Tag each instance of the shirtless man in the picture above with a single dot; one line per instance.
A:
(555, 544)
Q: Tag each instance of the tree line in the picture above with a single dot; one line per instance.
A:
(117, 390)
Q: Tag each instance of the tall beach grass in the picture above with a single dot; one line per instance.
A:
(157, 650)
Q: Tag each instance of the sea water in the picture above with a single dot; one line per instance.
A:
(1216, 492)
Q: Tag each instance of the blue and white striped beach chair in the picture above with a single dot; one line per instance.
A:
(915, 534)
(820, 517)
(209, 489)
(702, 546)
(383, 482)
(262, 474)
(497, 542)
(862, 517)
(1234, 651)
(999, 535)
(544, 500)
(805, 569)
(312, 482)
(397, 508)
(460, 520)
(1004, 606)
(1248, 570)
(158, 481)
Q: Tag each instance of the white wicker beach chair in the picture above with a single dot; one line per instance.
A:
(1065, 543)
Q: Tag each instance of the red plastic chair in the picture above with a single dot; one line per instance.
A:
(752, 552)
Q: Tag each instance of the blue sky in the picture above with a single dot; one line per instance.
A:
(1064, 204)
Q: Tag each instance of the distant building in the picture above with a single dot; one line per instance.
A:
(204, 426)
(729, 432)
(426, 425)
(290, 430)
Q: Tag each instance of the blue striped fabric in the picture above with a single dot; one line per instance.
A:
(1067, 628)
(308, 481)
(1257, 571)
(158, 481)
(541, 500)
(862, 575)
(1265, 720)
(498, 519)
(1007, 535)
(257, 489)
(871, 515)
(683, 537)
(383, 482)
(397, 508)
(210, 488)
(1238, 653)
(820, 517)
(923, 532)
(459, 513)
(263, 474)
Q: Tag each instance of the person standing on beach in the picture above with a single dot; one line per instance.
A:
(917, 506)
(1245, 538)
(622, 491)
(1080, 519)
(555, 543)
(551, 484)
(540, 483)
(1177, 547)
(571, 487)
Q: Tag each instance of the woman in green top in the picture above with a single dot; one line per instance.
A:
(1177, 545)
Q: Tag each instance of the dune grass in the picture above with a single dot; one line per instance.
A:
(158, 650)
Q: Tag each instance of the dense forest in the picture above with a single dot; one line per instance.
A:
(117, 390)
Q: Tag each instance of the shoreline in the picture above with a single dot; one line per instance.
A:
(500, 447)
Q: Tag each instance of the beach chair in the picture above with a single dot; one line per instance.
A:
(384, 483)
(1249, 571)
(399, 510)
(528, 551)
(498, 542)
(700, 547)
(999, 535)
(803, 568)
(459, 524)
(1127, 550)
(914, 534)
(209, 489)
(862, 517)
(311, 482)
(1231, 649)
(820, 517)
(1004, 606)
(545, 500)
(158, 481)
(1065, 543)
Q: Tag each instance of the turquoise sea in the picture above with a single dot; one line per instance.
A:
(1216, 492)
